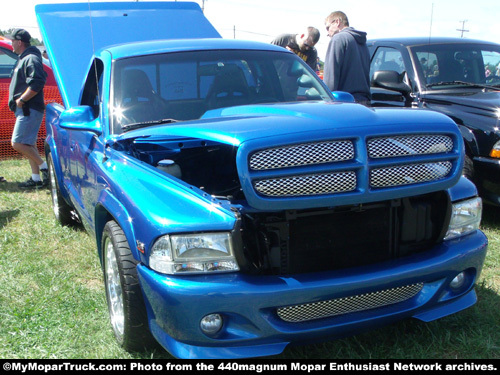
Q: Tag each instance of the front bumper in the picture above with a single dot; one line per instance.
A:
(249, 304)
(487, 179)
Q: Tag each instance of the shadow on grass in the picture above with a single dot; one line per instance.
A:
(9, 186)
(13, 187)
(491, 215)
(6, 216)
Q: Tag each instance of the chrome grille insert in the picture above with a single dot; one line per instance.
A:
(409, 145)
(409, 174)
(339, 306)
(312, 184)
(302, 154)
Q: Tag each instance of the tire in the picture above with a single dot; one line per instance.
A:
(468, 170)
(63, 212)
(126, 307)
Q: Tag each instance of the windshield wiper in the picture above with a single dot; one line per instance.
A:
(143, 124)
(463, 83)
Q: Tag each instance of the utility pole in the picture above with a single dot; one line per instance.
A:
(463, 28)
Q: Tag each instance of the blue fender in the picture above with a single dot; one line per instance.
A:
(107, 208)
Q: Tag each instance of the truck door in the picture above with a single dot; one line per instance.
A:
(388, 77)
(85, 145)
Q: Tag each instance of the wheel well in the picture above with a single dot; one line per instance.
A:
(102, 216)
(468, 150)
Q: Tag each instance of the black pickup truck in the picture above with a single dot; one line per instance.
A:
(454, 76)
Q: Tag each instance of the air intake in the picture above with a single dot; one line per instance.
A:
(339, 306)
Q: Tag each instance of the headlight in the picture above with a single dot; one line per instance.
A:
(495, 151)
(193, 253)
(465, 218)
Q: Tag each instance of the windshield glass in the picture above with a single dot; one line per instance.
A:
(184, 85)
(442, 65)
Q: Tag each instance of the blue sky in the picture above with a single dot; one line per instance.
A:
(262, 20)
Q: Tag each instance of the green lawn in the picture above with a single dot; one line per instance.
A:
(52, 302)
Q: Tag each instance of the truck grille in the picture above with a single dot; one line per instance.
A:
(409, 145)
(302, 154)
(313, 184)
(339, 306)
(382, 162)
(409, 174)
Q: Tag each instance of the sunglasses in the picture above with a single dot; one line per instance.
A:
(330, 24)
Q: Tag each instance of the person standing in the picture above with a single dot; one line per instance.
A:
(347, 61)
(301, 44)
(27, 102)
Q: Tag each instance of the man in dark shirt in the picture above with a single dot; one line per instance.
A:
(27, 102)
(301, 44)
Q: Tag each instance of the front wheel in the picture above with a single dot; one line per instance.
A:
(123, 293)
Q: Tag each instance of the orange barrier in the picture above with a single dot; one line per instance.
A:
(7, 120)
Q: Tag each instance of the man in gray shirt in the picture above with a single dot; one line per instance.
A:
(347, 62)
(27, 102)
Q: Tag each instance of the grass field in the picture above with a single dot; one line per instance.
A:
(52, 302)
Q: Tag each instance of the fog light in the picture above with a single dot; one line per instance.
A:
(458, 281)
(211, 324)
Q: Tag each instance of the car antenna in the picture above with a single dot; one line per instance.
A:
(430, 29)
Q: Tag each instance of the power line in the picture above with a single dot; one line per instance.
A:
(462, 29)
(234, 30)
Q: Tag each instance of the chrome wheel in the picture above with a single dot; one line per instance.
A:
(127, 311)
(114, 290)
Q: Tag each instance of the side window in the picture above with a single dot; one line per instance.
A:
(8, 60)
(491, 66)
(92, 90)
(386, 58)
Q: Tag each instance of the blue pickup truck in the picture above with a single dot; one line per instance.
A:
(238, 206)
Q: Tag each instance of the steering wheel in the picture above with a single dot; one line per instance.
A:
(265, 99)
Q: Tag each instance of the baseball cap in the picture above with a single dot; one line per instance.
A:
(19, 34)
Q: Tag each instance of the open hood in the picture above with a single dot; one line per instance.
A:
(73, 32)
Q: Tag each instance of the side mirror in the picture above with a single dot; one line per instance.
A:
(296, 70)
(312, 94)
(305, 81)
(391, 80)
(342, 96)
(80, 118)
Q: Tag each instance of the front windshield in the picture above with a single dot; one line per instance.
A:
(184, 85)
(471, 64)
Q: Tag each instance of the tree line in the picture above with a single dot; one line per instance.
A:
(34, 41)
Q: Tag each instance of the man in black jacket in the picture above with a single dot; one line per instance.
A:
(347, 61)
(27, 102)
(301, 44)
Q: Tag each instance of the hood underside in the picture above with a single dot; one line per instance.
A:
(73, 32)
